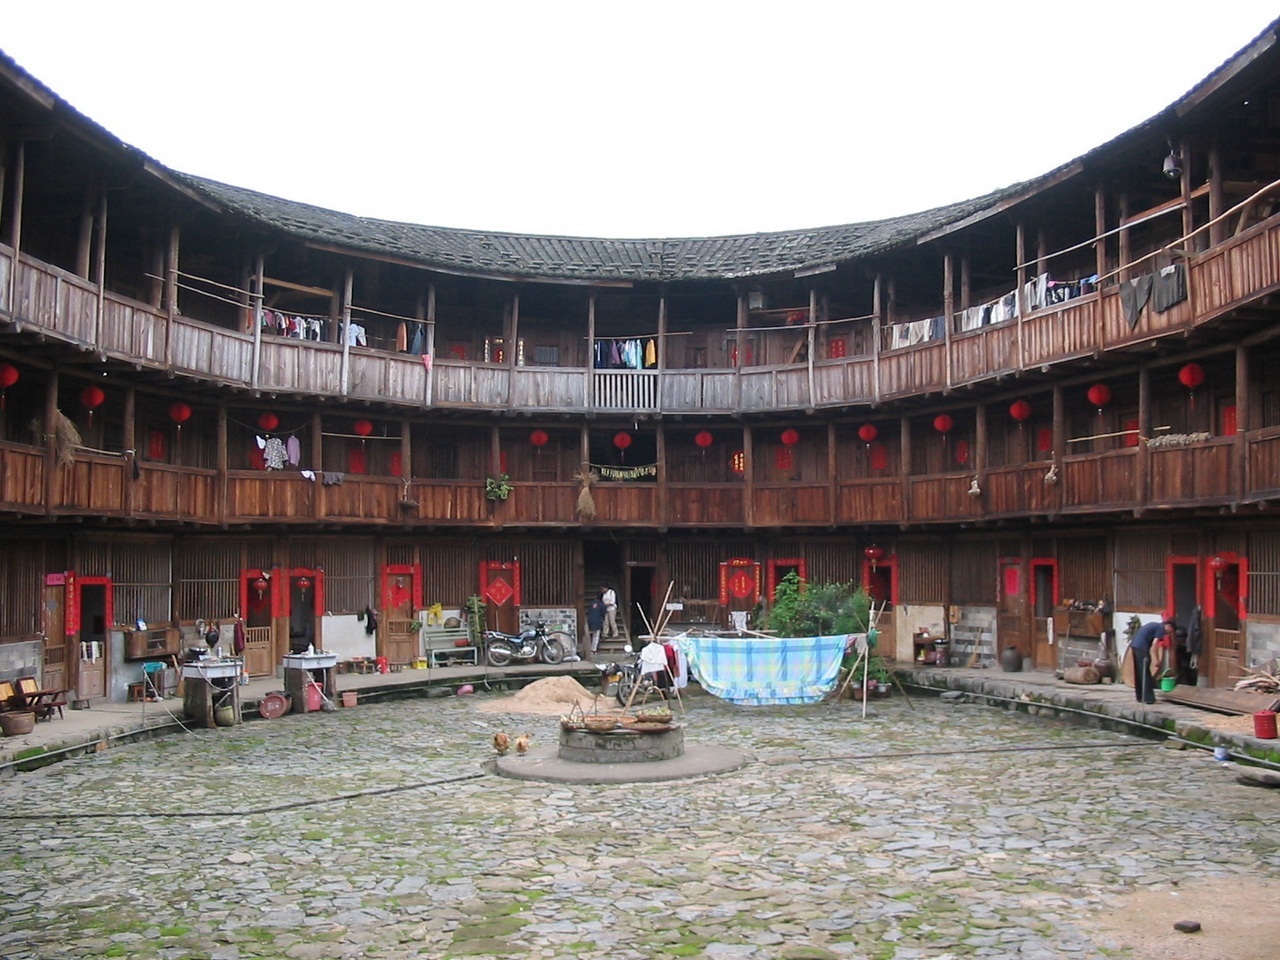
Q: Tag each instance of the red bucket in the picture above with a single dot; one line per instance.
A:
(315, 698)
(1264, 724)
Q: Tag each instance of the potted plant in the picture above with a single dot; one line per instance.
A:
(497, 487)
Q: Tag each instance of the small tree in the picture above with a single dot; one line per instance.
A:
(818, 609)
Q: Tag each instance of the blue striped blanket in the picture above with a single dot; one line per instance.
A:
(760, 670)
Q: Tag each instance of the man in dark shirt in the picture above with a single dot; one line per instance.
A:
(1146, 637)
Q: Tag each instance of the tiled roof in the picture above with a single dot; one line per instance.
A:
(590, 258)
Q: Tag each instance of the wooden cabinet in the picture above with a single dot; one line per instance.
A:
(150, 644)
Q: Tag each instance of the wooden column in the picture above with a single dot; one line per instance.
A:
(664, 515)
(588, 399)
(980, 444)
(811, 344)
(344, 332)
(1243, 482)
(740, 324)
(15, 223)
(662, 343)
(1188, 220)
(130, 440)
(431, 343)
(257, 321)
(948, 310)
(1021, 295)
(1042, 252)
(877, 327)
(904, 438)
(52, 469)
(319, 502)
(1217, 197)
(1124, 254)
(748, 478)
(100, 269)
(222, 454)
(966, 284)
(833, 485)
(170, 292)
(1142, 484)
(513, 349)
(1059, 430)
(1099, 228)
(84, 237)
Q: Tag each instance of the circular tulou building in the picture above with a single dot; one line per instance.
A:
(1020, 420)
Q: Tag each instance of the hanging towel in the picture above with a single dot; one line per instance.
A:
(755, 670)
(402, 337)
(419, 339)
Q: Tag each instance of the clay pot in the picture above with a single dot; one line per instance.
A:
(1010, 660)
(17, 723)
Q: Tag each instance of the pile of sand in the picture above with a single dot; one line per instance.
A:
(550, 696)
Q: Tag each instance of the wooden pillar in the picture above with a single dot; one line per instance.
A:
(222, 454)
(258, 283)
(1188, 220)
(662, 342)
(1217, 196)
(1123, 256)
(980, 444)
(431, 343)
(100, 269)
(966, 284)
(877, 328)
(1059, 431)
(15, 223)
(84, 238)
(1021, 295)
(52, 469)
(748, 477)
(664, 516)
(1099, 228)
(948, 310)
(833, 485)
(588, 398)
(811, 344)
(319, 503)
(1243, 482)
(739, 326)
(1042, 252)
(344, 331)
(904, 440)
(170, 292)
(129, 436)
(1141, 480)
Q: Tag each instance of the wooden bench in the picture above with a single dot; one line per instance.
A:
(41, 702)
(442, 647)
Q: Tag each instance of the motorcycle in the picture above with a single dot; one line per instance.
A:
(626, 677)
(530, 645)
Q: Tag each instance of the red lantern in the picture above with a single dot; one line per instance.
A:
(92, 397)
(304, 584)
(363, 428)
(8, 377)
(703, 438)
(1099, 395)
(180, 413)
(1020, 410)
(1218, 563)
(268, 422)
(943, 423)
(622, 440)
(790, 437)
(1191, 375)
(873, 553)
(539, 438)
(868, 432)
(261, 586)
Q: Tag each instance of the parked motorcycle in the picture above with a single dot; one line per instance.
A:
(626, 677)
(527, 646)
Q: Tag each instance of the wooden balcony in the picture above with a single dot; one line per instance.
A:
(1019, 490)
(1198, 474)
(705, 504)
(165, 492)
(21, 477)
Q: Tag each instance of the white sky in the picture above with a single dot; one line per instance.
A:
(621, 119)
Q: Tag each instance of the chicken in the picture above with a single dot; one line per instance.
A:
(522, 742)
(501, 742)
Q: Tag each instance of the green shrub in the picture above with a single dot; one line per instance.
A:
(818, 609)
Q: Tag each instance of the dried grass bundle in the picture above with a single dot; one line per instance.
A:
(586, 503)
(67, 438)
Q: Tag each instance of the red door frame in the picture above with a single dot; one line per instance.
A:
(802, 569)
(411, 570)
(891, 564)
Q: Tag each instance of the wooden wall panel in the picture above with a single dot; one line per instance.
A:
(922, 571)
(21, 577)
(1141, 560)
(207, 579)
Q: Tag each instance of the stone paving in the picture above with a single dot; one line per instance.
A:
(947, 830)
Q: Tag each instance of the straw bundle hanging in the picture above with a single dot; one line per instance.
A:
(66, 438)
(586, 503)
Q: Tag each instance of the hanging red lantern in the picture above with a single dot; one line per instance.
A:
(622, 440)
(868, 432)
(268, 421)
(1191, 375)
(1099, 395)
(1020, 410)
(180, 413)
(304, 584)
(8, 377)
(1218, 564)
(703, 438)
(92, 397)
(943, 423)
(539, 438)
(790, 437)
(261, 586)
(873, 553)
(363, 428)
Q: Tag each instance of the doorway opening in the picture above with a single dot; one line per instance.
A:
(640, 593)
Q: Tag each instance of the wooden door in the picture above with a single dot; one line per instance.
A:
(401, 592)
(93, 614)
(53, 624)
(500, 589)
(1012, 614)
(1044, 598)
(740, 590)
(1224, 626)
(257, 592)
(880, 574)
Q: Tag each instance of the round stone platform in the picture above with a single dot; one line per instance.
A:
(622, 745)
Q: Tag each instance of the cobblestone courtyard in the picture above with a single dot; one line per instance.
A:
(943, 831)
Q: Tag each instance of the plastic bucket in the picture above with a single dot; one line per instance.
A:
(314, 696)
(1168, 683)
(350, 698)
(275, 705)
(224, 716)
(1264, 724)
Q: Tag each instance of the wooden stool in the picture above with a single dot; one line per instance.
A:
(137, 691)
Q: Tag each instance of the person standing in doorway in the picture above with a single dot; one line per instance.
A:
(595, 620)
(610, 600)
(1147, 636)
